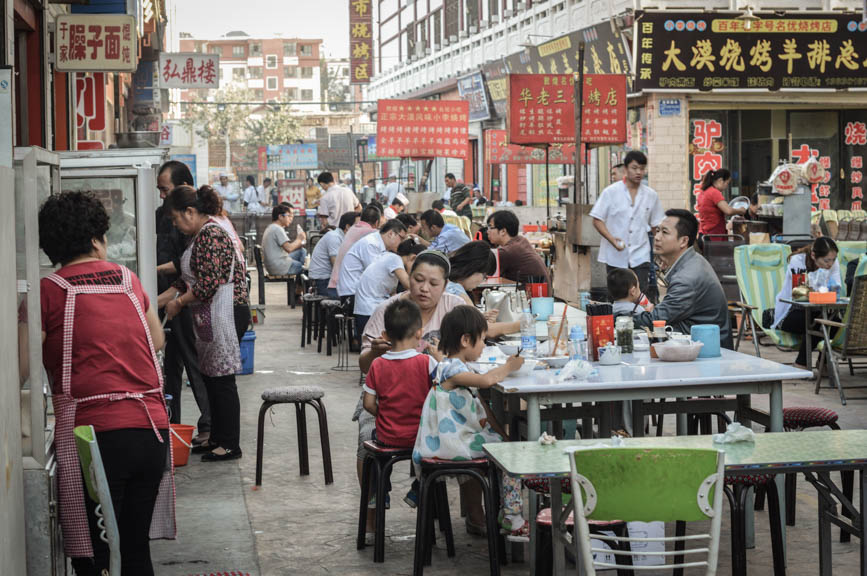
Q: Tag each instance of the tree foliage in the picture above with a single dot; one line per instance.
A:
(274, 125)
(220, 120)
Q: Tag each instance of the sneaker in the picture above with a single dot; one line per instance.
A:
(411, 499)
(372, 502)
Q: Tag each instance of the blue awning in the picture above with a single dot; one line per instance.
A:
(100, 7)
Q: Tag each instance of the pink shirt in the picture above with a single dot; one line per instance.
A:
(358, 231)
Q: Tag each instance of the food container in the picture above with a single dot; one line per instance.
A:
(555, 361)
(823, 297)
(677, 351)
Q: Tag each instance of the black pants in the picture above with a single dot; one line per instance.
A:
(642, 271)
(223, 396)
(134, 462)
(794, 324)
(181, 354)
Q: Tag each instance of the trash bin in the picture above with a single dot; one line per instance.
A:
(248, 348)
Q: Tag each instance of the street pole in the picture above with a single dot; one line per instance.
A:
(578, 95)
(352, 161)
(547, 185)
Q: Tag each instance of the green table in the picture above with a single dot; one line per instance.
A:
(813, 453)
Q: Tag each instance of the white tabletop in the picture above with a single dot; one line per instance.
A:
(730, 368)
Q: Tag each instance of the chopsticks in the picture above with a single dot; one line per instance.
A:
(560, 331)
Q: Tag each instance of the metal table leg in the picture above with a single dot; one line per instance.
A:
(556, 536)
(862, 521)
(534, 430)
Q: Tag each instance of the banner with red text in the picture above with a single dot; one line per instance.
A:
(422, 128)
(541, 109)
(360, 41)
(604, 110)
(96, 43)
(189, 71)
(498, 150)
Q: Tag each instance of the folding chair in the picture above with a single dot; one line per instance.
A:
(851, 338)
(97, 489)
(648, 484)
(849, 250)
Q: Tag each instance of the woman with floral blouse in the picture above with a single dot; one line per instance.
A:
(213, 284)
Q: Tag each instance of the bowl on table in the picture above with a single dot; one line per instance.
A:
(527, 367)
(677, 350)
(555, 361)
(509, 348)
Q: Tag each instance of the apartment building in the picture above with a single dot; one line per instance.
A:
(273, 69)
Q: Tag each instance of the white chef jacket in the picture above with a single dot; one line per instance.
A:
(629, 222)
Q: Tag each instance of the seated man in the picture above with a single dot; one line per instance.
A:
(694, 294)
(444, 237)
(364, 252)
(518, 259)
(325, 254)
(442, 208)
(281, 255)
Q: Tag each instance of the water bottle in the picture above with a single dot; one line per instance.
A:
(528, 334)
(834, 287)
(577, 344)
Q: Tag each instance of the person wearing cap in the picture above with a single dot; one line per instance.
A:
(444, 237)
(396, 207)
(228, 193)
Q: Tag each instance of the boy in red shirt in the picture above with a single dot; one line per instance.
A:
(399, 380)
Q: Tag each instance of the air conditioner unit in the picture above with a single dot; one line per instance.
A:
(484, 24)
(474, 29)
(462, 34)
(453, 38)
(521, 6)
(495, 19)
(427, 50)
(507, 13)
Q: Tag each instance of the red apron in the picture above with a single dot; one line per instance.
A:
(73, 515)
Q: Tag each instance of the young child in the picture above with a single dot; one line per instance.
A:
(623, 290)
(454, 422)
(398, 381)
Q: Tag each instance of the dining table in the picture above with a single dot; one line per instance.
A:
(813, 310)
(703, 386)
(813, 453)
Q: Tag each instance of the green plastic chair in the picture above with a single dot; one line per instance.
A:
(97, 488)
(849, 250)
(760, 269)
(851, 337)
(646, 485)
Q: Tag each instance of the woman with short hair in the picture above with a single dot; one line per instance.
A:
(100, 335)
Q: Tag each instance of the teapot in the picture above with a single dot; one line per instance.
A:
(506, 302)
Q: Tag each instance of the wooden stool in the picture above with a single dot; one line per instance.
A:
(300, 396)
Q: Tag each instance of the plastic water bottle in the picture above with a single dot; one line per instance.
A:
(528, 334)
(577, 344)
(834, 287)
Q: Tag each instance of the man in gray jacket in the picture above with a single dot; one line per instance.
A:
(694, 294)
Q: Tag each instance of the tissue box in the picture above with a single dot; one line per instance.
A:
(823, 297)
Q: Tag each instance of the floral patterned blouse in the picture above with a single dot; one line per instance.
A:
(211, 261)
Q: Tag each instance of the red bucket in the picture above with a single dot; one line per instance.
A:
(537, 289)
(182, 443)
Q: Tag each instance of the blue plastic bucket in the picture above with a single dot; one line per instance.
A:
(248, 349)
(709, 335)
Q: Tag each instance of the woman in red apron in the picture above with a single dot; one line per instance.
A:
(100, 337)
(213, 284)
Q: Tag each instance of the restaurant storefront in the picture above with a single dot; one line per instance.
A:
(787, 88)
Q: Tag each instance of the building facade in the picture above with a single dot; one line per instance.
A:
(274, 69)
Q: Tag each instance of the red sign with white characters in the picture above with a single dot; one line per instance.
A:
(96, 43)
(422, 128)
(90, 101)
(603, 115)
(542, 109)
(498, 150)
(189, 71)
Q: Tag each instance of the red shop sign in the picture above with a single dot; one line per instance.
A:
(541, 109)
(604, 110)
(498, 150)
(422, 128)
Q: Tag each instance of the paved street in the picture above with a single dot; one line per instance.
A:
(297, 525)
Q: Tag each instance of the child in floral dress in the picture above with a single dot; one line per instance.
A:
(454, 422)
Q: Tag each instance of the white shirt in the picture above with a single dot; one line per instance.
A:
(229, 195)
(377, 283)
(447, 195)
(798, 265)
(629, 222)
(326, 249)
(360, 256)
(252, 199)
(336, 201)
(392, 189)
(389, 213)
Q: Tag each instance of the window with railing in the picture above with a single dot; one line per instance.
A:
(290, 72)
(306, 49)
(289, 49)
(255, 49)
(238, 51)
(307, 72)
(255, 72)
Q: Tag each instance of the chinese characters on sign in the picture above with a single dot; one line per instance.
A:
(472, 89)
(189, 71)
(541, 108)
(288, 157)
(705, 150)
(820, 192)
(604, 111)
(854, 151)
(422, 128)
(499, 151)
(360, 41)
(96, 43)
(90, 101)
(707, 51)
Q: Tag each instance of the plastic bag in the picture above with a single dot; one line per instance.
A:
(735, 432)
(576, 369)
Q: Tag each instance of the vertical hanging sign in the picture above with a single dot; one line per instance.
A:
(360, 41)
